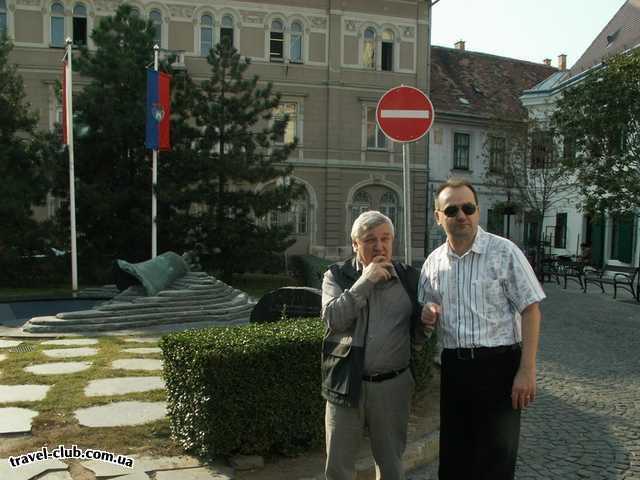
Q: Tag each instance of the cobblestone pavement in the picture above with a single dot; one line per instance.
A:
(585, 423)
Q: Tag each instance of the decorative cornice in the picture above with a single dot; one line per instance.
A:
(252, 17)
(107, 6)
(318, 22)
(182, 11)
(29, 3)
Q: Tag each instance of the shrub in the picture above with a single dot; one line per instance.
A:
(251, 389)
(309, 269)
(248, 389)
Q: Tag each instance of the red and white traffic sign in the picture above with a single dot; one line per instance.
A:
(404, 114)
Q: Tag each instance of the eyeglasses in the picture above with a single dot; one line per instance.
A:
(467, 208)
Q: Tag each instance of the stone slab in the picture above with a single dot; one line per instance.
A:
(27, 472)
(23, 393)
(16, 420)
(200, 473)
(70, 352)
(106, 469)
(143, 350)
(123, 385)
(72, 341)
(136, 475)
(2, 357)
(9, 343)
(137, 364)
(58, 368)
(152, 464)
(56, 476)
(142, 340)
(121, 414)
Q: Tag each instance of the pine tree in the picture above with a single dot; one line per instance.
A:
(237, 151)
(24, 156)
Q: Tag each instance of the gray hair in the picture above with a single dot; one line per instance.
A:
(367, 221)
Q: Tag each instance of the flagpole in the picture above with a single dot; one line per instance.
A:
(72, 187)
(154, 180)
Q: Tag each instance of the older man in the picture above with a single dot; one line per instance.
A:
(371, 313)
(485, 296)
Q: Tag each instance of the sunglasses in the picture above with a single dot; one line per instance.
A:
(467, 208)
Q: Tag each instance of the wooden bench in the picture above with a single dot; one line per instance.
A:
(618, 276)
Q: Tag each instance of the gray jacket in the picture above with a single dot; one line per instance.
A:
(345, 305)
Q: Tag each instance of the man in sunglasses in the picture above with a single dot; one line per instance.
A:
(483, 295)
(372, 317)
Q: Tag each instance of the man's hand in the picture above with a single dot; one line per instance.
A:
(430, 315)
(378, 270)
(523, 392)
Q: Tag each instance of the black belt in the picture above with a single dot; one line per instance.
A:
(381, 377)
(479, 353)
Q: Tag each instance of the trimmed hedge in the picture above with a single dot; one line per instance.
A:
(309, 269)
(248, 389)
(251, 389)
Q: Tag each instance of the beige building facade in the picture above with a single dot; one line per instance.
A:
(331, 61)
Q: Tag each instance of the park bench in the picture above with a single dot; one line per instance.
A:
(570, 270)
(618, 276)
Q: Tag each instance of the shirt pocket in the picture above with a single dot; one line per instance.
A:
(487, 296)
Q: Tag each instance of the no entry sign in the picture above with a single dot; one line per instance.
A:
(404, 114)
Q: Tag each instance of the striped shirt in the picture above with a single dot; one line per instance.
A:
(482, 293)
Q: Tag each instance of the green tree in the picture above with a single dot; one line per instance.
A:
(599, 119)
(24, 155)
(238, 149)
(113, 167)
(523, 163)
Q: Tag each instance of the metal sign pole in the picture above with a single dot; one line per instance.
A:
(406, 182)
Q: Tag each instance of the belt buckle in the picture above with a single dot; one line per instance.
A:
(465, 356)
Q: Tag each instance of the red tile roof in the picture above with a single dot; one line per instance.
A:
(479, 84)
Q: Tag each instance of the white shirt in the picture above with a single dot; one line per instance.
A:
(482, 293)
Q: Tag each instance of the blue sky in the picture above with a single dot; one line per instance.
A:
(524, 29)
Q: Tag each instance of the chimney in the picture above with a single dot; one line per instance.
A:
(459, 45)
(562, 62)
(547, 62)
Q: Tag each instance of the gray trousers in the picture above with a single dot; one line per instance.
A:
(384, 411)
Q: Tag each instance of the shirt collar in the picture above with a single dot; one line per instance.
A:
(479, 243)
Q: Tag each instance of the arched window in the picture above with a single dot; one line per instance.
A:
(226, 30)
(387, 51)
(361, 203)
(3, 17)
(296, 42)
(156, 19)
(369, 48)
(79, 24)
(389, 206)
(276, 43)
(57, 25)
(206, 34)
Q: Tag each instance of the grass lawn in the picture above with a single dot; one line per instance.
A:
(255, 284)
(7, 294)
(56, 423)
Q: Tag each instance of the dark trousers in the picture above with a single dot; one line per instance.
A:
(479, 429)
